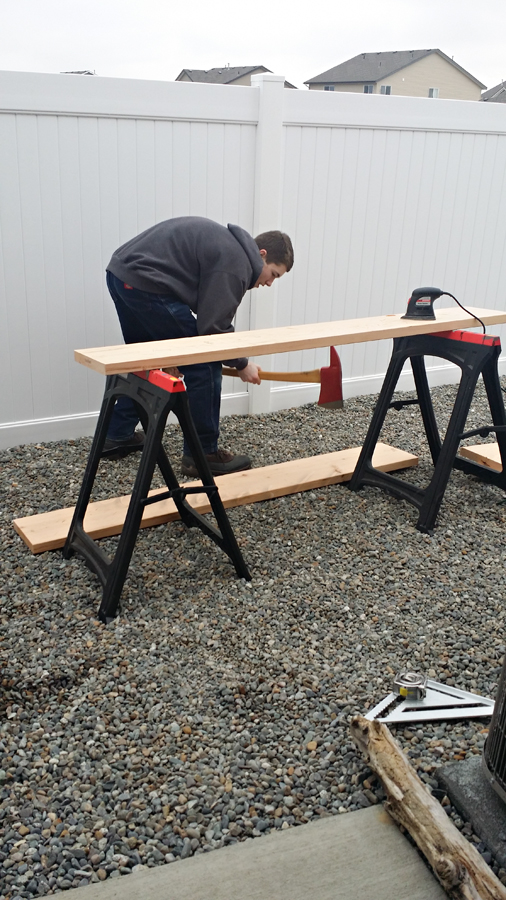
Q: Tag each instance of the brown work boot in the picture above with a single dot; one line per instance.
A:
(221, 463)
(118, 449)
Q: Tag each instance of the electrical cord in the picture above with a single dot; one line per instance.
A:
(447, 294)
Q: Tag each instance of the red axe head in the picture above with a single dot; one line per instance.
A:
(331, 377)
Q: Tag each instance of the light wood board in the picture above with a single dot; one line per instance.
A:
(485, 454)
(48, 531)
(210, 348)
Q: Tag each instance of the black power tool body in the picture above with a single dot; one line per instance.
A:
(421, 303)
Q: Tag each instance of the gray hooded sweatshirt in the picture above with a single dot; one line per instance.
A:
(205, 265)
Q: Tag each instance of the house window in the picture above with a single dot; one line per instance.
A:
(386, 89)
(433, 92)
(368, 88)
(328, 87)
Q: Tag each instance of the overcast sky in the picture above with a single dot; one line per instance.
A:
(155, 39)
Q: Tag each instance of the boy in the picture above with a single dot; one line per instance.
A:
(181, 278)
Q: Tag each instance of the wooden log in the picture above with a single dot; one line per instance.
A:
(460, 869)
(48, 531)
(213, 347)
(485, 454)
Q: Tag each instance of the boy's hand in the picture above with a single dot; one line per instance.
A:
(250, 374)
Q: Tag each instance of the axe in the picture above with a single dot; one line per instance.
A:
(329, 377)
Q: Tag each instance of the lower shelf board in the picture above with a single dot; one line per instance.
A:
(48, 531)
(485, 454)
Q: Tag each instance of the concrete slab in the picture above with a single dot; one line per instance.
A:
(350, 857)
(471, 793)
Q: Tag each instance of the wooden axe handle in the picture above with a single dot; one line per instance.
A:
(313, 376)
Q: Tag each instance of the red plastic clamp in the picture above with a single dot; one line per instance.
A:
(164, 380)
(468, 337)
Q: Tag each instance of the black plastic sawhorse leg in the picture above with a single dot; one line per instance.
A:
(156, 395)
(475, 355)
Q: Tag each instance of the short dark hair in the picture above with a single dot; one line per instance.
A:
(278, 246)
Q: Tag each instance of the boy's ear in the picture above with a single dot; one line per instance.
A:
(263, 253)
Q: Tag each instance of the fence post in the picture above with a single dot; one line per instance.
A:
(268, 189)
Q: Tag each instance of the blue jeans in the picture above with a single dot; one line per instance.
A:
(145, 316)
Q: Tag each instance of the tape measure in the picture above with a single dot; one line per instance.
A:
(410, 685)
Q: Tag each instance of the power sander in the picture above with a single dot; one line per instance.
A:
(421, 304)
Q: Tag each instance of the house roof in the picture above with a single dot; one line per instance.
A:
(373, 67)
(495, 94)
(223, 75)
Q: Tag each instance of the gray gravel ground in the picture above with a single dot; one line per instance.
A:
(213, 710)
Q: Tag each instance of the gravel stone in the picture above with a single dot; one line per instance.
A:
(214, 710)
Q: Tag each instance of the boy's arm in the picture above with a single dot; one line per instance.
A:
(219, 296)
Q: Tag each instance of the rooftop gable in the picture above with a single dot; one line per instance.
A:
(223, 75)
(372, 67)
(496, 94)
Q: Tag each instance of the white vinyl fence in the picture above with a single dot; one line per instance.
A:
(380, 194)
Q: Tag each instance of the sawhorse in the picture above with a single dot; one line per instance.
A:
(155, 394)
(475, 354)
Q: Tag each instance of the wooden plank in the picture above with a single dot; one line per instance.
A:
(485, 454)
(48, 531)
(208, 348)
